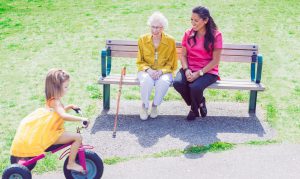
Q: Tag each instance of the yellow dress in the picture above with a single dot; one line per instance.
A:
(37, 131)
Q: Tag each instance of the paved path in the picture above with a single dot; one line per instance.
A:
(227, 122)
(275, 161)
(249, 162)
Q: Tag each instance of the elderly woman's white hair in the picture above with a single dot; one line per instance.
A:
(158, 17)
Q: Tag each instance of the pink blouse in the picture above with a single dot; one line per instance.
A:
(197, 56)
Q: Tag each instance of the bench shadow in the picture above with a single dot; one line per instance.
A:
(202, 131)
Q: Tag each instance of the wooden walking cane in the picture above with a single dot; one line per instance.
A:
(123, 73)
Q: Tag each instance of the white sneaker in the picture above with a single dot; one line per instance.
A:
(144, 113)
(154, 112)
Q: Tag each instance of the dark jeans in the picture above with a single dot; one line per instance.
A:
(192, 92)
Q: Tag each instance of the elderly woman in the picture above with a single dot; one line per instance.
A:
(156, 62)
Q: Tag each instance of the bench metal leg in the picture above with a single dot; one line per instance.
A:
(252, 101)
(106, 96)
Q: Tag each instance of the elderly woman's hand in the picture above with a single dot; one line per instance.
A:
(151, 73)
(154, 74)
(158, 73)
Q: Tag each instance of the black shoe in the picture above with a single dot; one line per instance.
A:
(191, 116)
(203, 110)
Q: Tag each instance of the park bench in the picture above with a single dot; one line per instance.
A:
(230, 53)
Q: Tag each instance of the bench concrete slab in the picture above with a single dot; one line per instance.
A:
(227, 122)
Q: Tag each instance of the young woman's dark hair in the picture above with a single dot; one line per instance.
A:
(211, 27)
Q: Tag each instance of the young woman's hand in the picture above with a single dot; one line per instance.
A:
(193, 76)
(188, 73)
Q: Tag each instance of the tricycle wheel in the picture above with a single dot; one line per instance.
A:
(94, 166)
(16, 171)
(14, 160)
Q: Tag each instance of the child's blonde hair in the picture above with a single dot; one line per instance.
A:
(53, 84)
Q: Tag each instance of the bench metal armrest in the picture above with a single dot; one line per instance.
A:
(259, 68)
(105, 62)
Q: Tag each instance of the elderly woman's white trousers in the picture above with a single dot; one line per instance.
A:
(161, 87)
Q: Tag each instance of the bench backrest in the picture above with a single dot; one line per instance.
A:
(230, 52)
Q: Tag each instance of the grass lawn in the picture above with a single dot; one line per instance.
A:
(38, 35)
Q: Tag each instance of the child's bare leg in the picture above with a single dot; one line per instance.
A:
(68, 137)
(74, 149)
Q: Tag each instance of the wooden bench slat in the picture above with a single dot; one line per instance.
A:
(229, 52)
(122, 42)
(124, 54)
(117, 77)
(178, 44)
(242, 59)
(135, 81)
(134, 77)
(241, 46)
(226, 58)
(253, 87)
(123, 48)
(223, 84)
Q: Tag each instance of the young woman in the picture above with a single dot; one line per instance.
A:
(201, 51)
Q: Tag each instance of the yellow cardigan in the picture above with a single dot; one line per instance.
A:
(167, 56)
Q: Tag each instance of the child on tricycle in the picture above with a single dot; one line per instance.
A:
(43, 131)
